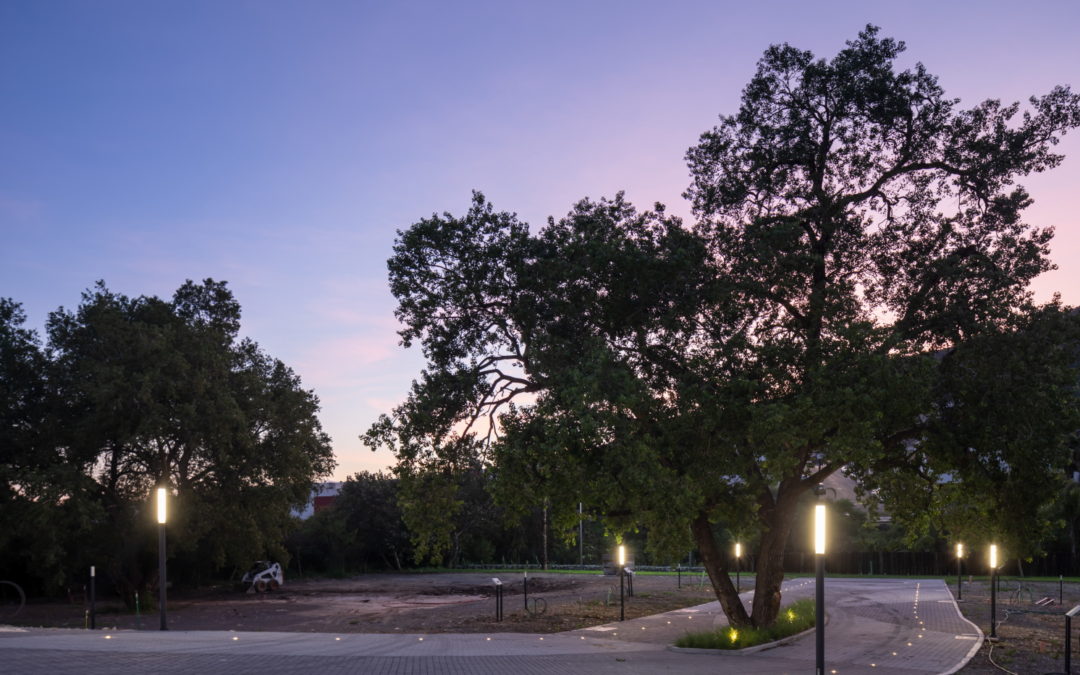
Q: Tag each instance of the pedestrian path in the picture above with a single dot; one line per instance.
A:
(874, 626)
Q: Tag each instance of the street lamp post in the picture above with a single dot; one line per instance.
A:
(622, 575)
(959, 572)
(993, 591)
(162, 495)
(819, 600)
(738, 567)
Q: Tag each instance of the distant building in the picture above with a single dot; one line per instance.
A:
(322, 497)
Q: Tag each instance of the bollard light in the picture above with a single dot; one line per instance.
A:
(622, 582)
(738, 567)
(819, 591)
(959, 571)
(993, 591)
(162, 513)
(93, 597)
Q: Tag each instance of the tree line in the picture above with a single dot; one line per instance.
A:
(129, 393)
(366, 530)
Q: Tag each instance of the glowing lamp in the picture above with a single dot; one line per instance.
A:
(161, 509)
(993, 556)
(819, 529)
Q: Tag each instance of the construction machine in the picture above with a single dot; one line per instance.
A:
(263, 576)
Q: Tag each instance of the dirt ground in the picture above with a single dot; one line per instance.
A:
(1031, 637)
(388, 603)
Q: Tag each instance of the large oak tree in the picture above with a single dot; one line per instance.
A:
(851, 293)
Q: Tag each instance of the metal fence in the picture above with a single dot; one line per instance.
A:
(898, 563)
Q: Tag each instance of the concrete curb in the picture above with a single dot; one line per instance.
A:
(974, 648)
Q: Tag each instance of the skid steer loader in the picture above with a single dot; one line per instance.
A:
(263, 576)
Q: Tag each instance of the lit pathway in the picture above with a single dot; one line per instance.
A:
(875, 626)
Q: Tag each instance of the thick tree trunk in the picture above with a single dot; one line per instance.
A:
(715, 563)
(776, 526)
(770, 567)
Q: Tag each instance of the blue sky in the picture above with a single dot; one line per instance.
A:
(279, 145)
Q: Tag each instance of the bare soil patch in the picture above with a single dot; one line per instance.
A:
(1031, 637)
(391, 603)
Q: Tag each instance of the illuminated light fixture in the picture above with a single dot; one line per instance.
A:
(162, 516)
(959, 550)
(622, 582)
(993, 592)
(819, 529)
(819, 581)
(738, 567)
(162, 509)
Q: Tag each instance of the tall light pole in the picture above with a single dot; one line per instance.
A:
(162, 512)
(993, 591)
(738, 567)
(959, 572)
(819, 600)
(622, 575)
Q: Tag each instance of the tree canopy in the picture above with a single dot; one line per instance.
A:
(133, 393)
(852, 293)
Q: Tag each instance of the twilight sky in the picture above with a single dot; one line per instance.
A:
(279, 144)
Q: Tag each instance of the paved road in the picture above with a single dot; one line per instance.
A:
(874, 626)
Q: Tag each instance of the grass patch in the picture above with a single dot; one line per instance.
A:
(795, 618)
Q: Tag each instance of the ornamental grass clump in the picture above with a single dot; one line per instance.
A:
(793, 619)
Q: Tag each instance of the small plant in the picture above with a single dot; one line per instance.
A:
(797, 617)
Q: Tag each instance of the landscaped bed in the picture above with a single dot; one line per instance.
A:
(793, 619)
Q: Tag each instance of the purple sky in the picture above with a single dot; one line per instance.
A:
(279, 145)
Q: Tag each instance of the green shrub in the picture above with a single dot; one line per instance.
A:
(795, 618)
